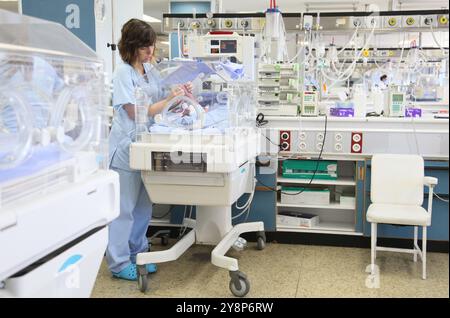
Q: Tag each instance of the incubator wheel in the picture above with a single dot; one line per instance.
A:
(240, 291)
(261, 240)
(143, 283)
(165, 240)
(261, 243)
(142, 278)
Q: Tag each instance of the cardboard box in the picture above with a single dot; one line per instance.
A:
(348, 200)
(297, 219)
(308, 196)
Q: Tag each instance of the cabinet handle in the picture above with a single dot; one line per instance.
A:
(361, 173)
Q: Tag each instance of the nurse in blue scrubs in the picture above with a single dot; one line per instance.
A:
(127, 233)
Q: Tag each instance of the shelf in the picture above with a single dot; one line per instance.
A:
(340, 181)
(333, 206)
(325, 227)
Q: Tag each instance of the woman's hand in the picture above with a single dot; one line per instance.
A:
(176, 91)
(189, 87)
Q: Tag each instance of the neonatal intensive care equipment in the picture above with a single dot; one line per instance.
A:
(310, 104)
(56, 194)
(201, 152)
(226, 46)
(395, 103)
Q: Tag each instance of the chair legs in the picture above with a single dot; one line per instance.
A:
(415, 251)
(415, 242)
(373, 246)
(424, 252)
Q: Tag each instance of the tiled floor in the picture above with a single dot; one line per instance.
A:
(285, 270)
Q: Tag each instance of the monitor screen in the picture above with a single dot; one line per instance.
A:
(397, 97)
(228, 46)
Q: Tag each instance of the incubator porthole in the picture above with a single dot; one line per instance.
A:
(16, 129)
(75, 115)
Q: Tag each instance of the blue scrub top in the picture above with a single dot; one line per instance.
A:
(123, 131)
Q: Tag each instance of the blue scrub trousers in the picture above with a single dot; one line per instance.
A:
(127, 233)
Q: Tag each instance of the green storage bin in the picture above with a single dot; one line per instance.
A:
(304, 169)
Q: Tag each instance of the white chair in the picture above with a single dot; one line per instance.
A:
(397, 195)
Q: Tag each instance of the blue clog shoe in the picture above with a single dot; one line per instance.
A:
(128, 273)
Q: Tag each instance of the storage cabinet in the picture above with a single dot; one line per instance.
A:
(305, 186)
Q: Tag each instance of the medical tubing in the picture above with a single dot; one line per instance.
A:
(439, 198)
(184, 216)
(349, 70)
(349, 41)
(415, 136)
(353, 65)
(315, 171)
(401, 56)
(247, 208)
(435, 40)
(249, 201)
(183, 227)
(285, 51)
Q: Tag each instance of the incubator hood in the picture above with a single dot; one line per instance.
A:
(40, 36)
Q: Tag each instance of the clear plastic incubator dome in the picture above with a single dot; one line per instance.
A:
(204, 98)
(52, 105)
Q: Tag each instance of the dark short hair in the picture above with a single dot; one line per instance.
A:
(383, 77)
(135, 34)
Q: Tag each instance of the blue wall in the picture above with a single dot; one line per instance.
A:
(76, 15)
(185, 7)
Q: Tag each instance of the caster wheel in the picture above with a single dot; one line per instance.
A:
(260, 240)
(143, 283)
(240, 291)
(165, 240)
(260, 243)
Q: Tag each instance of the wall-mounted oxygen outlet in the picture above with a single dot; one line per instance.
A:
(285, 140)
(357, 22)
(392, 22)
(244, 23)
(373, 21)
(228, 23)
(429, 21)
(411, 21)
(443, 20)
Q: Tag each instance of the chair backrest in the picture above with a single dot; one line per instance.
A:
(397, 179)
